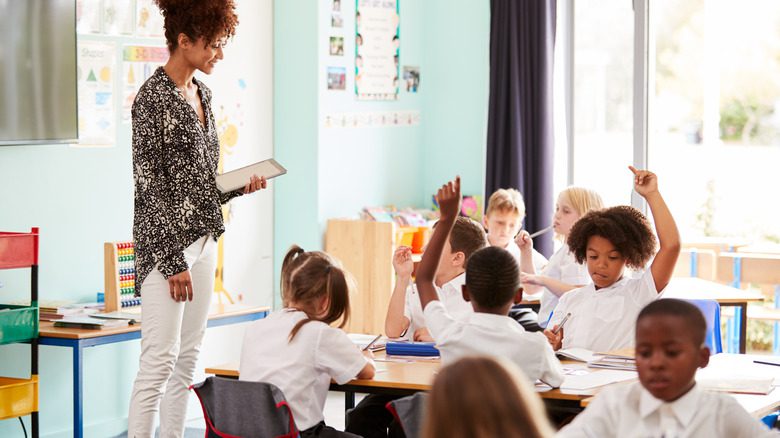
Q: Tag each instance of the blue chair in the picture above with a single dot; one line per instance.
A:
(770, 420)
(711, 311)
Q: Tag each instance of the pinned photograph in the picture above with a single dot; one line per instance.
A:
(411, 78)
(337, 78)
(336, 20)
(337, 46)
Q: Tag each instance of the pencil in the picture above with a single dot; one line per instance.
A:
(372, 342)
(540, 232)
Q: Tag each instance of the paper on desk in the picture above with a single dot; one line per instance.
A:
(595, 379)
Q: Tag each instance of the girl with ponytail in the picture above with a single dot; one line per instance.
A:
(298, 349)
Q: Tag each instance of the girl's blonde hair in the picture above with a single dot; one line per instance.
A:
(309, 276)
(583, 200)
(481, 396)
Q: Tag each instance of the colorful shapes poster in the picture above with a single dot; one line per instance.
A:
(97, 120)
(377, 49)
(138, 63)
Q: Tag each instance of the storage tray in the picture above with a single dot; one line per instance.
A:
(18, 397)
(18, 323)
(18, 250)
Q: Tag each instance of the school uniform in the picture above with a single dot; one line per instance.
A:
(524, 315)
(537, 258)
(493, 335)
(450, 293)
(301, 368)
(604, 319)
(562, 267)
(631, 411)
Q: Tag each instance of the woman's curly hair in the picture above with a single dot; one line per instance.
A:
(212, 20)
(626, 227)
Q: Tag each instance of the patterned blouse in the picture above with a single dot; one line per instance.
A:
(174, 168)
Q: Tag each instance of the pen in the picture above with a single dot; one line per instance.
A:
(563, 321)
(767, 363)
(372, 342)
(540, 232)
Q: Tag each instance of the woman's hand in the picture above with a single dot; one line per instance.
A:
(255, 184)
(180, 286)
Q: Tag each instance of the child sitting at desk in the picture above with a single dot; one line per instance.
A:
(482, 396)
(297, 350)
(562, 272)
(601, 315)
(404, 314)
(666, 402)
(492, 284)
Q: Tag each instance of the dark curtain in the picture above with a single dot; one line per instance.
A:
(520, 115)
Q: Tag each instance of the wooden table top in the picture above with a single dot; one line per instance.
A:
(47, 329)
(698, 288)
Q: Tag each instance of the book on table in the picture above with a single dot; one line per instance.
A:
(86, 322)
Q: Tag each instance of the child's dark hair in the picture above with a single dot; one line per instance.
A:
(697, 325)
(626, 227)
(492, 277)
(212, 20)
(307, 277)
(467, 236)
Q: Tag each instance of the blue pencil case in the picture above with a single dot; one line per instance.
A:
(404, 348)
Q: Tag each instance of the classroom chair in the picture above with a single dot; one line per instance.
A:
(244, 409)
(771, 420)
(711, 311)
(409, 412)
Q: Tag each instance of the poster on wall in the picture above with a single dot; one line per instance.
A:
(96, 61)
(377, 49)
(148, 19)
(118, 17)
(138, 63)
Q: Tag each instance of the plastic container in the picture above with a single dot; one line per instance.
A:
(405, 236)
(18, 397)
(18, 323)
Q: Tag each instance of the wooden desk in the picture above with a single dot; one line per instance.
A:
(700, 289)
(79, 339)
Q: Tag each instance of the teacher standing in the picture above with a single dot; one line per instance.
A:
(178, 216)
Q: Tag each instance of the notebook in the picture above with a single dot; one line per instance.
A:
(362, 340)
(578, 354)
(86, 322)
(236, 179)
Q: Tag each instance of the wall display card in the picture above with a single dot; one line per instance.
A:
(377, 119)
(96, 61)
(377, 48)
(148, 19)
(411, 78)
(337, 46)
(118, 17)
(88, 16)
(337, 78)
(138, 63)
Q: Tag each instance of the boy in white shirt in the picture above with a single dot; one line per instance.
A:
(666, 401)
(492, 285)
(404, 314)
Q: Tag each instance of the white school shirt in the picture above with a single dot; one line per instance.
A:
(537, 258)
(303, 368)
(562, 267)
(493, 335)
(604, 320)
(450, 293)
(631, 411)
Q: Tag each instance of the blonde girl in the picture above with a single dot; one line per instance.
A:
(562, 273)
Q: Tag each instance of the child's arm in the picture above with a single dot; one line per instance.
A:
(368, 370)
(532, 283)
(396, 323)
(646, 184)
(526, 245)
(448, 198)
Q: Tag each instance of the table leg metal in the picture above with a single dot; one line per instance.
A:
(349, 400)
(742, 312)
(78, 389)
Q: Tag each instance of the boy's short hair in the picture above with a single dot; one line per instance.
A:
(467, 236)
(625, 227)
(492, 277)
(506, 201)
(697, 325)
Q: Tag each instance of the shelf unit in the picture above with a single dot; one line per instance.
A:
(19, 397)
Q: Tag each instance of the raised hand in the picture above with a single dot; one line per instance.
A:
(402, 262)
(645, 182)
(524, 241)
(448, 198)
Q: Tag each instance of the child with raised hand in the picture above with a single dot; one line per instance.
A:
(562, 272)
(296, 349)
(601, 315)
(481, 396)
(666, 402)
(492, 285)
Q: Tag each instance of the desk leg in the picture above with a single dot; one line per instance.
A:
(78, 389)
(349, 400)
(742, 315)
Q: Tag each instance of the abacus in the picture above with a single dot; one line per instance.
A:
(119, 264)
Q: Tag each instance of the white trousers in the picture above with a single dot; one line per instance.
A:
(171, 335)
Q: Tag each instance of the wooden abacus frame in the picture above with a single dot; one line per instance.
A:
(113, 282)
